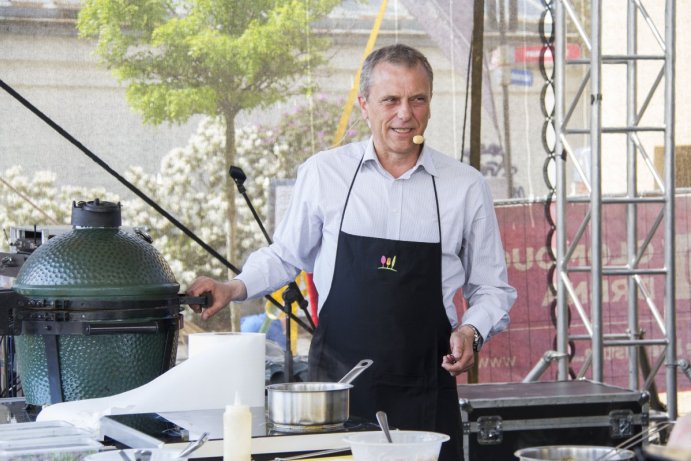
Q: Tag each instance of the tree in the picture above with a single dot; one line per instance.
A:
(214, 57)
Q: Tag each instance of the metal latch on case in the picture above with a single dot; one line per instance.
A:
(490, 431)
(620, 424)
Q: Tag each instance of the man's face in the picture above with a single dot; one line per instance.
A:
(397, 108)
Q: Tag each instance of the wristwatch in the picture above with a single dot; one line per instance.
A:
(477, 339)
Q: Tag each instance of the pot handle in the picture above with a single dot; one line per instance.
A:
(361, 366)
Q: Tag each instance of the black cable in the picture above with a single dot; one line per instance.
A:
(124, 181)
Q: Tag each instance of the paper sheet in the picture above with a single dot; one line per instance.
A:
(219, 366)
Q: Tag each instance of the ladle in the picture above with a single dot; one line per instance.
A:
(384, 424)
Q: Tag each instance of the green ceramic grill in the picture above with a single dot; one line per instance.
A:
(100, 310)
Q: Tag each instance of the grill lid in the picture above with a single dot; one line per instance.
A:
(96, 260)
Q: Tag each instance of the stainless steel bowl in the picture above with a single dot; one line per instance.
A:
(573, 453)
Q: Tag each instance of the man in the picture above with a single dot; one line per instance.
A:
(391, 229)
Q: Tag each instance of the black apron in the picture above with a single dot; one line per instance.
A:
(386, 304)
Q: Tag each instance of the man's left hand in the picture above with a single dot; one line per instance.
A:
(461, 356)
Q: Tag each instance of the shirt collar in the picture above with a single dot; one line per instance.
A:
(424, 161)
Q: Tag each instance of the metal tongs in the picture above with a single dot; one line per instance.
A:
(194, 445)
(631, 441)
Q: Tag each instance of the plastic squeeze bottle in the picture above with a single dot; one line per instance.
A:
(237, 432)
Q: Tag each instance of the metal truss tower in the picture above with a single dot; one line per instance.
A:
(634, 157)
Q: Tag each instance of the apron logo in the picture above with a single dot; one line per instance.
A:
(387, 264)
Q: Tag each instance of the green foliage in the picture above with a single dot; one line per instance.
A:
(214, 57)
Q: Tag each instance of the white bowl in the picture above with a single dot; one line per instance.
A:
(406, 446)
(157, 454)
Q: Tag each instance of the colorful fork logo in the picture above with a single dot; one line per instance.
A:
(387, 263)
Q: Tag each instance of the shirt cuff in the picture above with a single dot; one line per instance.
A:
(253, 284)
(480, 320)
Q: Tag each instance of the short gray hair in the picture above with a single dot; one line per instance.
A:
(398, 54)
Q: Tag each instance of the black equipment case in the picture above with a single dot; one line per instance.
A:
(499, 419)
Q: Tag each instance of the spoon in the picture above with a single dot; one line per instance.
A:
(192, 446)
(384, 424)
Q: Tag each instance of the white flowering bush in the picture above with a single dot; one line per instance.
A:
(37, 201)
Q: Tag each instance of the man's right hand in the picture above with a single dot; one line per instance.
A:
(221, 294)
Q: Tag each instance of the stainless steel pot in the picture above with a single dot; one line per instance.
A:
(573, 453)
(312, 406)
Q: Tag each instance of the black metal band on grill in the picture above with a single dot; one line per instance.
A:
(53, 366)
(111, 304)
(21, 315)
(87, 328)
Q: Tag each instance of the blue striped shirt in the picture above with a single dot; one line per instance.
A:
(392, 208)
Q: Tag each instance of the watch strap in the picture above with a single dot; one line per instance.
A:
(477, 339)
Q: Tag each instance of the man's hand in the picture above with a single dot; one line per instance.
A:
(221, 294)
(461, 356)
